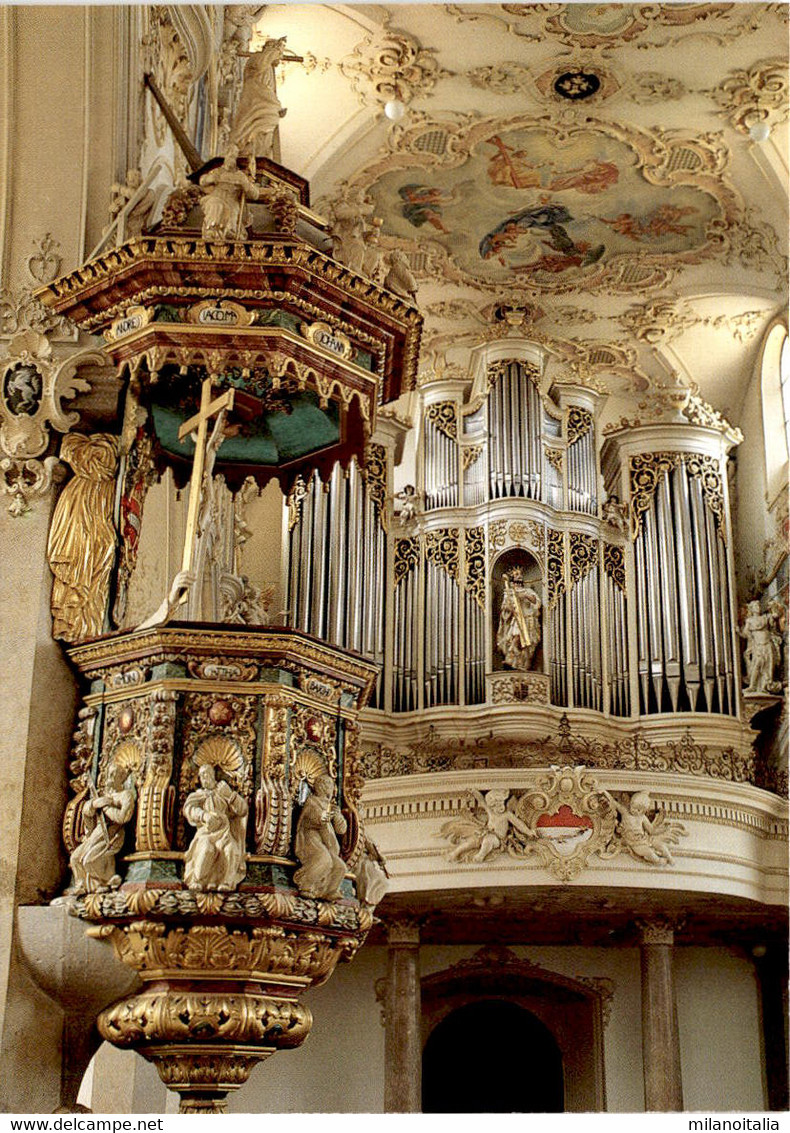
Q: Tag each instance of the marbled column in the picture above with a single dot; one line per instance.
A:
(660, 1042)
(403, 1020)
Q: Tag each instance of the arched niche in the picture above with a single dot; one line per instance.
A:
(570, 1009)
(515, 559)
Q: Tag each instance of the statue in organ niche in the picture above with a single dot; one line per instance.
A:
(518, 633)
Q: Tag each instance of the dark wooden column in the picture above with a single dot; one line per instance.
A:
(660, 1042)
(403, 1020)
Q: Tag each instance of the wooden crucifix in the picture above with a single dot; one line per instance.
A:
(207, 410)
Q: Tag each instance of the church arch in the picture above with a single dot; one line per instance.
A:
(570, 1011)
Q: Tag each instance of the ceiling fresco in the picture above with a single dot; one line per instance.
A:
(607, 180)
(534, 204)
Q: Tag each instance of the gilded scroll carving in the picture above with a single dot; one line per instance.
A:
(614, 565)
(579, 424)
(647, 469)
(583, 555)
(475, 561)
(443, 415)
(155, 808)
(376, 480)
(555, 567)
(442, 548)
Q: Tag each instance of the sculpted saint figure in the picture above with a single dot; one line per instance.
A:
(93, 861)
(763, 647)
(316, 845)
(476, 839)
(259, 109)
(215, 858)
(648, 839)
(518, 633)
(225, 193)
(82, 538)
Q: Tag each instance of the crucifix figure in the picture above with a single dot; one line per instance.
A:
(192, 583)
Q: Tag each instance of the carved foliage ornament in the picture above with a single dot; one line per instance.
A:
(579, 424)
(614, 565)
(583, 555)
(746, 98)
(443, 416)
(376, 480)
(555, 567)
(647, 469)
(407, 556)
(442, 547)
(392, 67)
(475, 562)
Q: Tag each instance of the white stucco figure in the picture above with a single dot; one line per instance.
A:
(215, 858)
(645, 838)
(259, 109)
(105, 816)
(316, 846)
(372, 876)
(226, 191)
(476, 838)
(763, 647)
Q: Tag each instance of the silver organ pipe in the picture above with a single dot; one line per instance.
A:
(615, 621)
(685, 639)
(440, 455)
(582, 461)
(515, 418)
(337, 564)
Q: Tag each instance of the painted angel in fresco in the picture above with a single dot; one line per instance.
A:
(422, 204)
(518, 633)
(93, 861)
(477, 838)
(516, 168)
(215, 858)
(550, 223)
(645, 838)
(662, 221)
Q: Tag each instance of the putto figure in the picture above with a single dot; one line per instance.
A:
(645, 838)
(476, 839)
(215, 858)
(518, 633)
(316, 845)
(93, 861)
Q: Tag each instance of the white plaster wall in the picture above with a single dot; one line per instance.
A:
(719, 1022)
(340, 1067)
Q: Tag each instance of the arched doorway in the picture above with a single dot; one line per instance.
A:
(491, 1056)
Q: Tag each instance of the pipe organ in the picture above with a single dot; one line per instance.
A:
(337, 563)
(633, 584)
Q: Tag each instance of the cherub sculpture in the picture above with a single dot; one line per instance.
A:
(763, 647)
(476, 838)
(93, 861)
(316, 846)
(215, 858)
(409, 499)
(645, 838)
(615, 514)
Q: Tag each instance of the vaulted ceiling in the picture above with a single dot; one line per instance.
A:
(608, 180)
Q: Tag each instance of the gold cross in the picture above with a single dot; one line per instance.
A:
(208, 409)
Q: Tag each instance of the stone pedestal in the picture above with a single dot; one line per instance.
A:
(403, 1015)
(660, 1041)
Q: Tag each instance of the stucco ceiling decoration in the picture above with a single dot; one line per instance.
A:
(595, 205)
(390, 66)
(606, 26)
(746, 98)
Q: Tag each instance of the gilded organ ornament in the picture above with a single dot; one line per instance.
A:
(442, 548)
(443, 415)
(475, 564)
